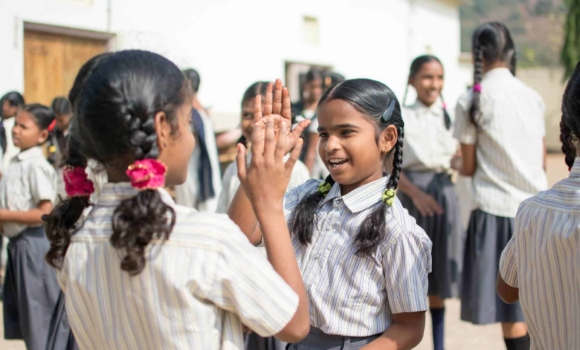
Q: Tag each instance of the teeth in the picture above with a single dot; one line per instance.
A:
(337, 162)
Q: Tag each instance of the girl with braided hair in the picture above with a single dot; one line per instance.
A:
(140, 272)
(363, 259)
(426, 188)
(500, 126)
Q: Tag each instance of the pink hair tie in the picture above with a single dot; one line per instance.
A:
(76, 182)
(444, 105)
(147, 174)
(477, 87)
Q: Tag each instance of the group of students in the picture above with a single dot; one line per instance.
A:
(352, 261)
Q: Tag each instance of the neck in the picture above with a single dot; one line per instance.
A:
(426, 104)
(489, 66)
(310, 106)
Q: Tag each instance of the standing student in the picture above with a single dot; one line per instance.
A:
(12, 102)
(540, 266)
(152, 274)
(426, 189)
(204, 182)
(500, 125)
(28, 191)
(363, 259)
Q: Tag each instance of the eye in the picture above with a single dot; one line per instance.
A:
(247, 116)
(323, 135)
(346, 132)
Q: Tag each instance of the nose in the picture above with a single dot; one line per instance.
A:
(332, 144)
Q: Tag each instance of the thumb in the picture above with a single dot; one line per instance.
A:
(241, 160)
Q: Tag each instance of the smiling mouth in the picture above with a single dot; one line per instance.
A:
(337, 162)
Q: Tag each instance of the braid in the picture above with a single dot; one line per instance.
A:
(513, 63)
(397, 161)
(305, 212)
(477, 76)
(567, 139)
(446, 117)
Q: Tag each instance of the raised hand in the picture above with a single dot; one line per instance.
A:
(277, 106)
(266, 178)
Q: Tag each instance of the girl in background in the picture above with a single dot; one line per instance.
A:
(152, 274)
(363, 259)
(500, 125)
(27, 192)
(426, 189)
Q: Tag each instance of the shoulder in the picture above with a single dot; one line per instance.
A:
(464, 100)
(403, 226)
(305, 189)
(40, 165)
(301, 171)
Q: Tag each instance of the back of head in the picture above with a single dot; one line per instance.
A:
(193, 76)
(14, 99)
(115, 98)
(570, 122)
(380, 106)
(61, 106)
(492, 43)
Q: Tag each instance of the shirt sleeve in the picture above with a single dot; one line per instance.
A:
(42, 179)
(246, 284)
(507, 264)
(464, 130)
(407, 263)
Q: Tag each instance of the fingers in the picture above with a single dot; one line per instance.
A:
(298, 130)
(241, 160)
(282, 143)
(277, 105)
(270, 140)
(258, 109)
(268, 103)
(294, 155)
(258, 141)
(286, 105)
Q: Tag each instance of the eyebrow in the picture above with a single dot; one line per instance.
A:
(340, 126)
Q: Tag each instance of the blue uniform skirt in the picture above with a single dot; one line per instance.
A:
(487, 236)
(30, 289)
(319, 340)
(445, 231)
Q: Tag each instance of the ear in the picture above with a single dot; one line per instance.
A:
(162, 129)
(388, 139)
(43, 136)
(411, 81)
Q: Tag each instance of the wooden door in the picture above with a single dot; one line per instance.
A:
(51, 63)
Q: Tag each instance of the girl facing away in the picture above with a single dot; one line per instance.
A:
(426, 189)
(500, 125)
(28, 191)
(141, 272)
(363, 259)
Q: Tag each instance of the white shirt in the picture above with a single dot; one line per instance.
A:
(428, 145)
(350, 294)
(194, 292)
(11, 151)
(509, 142)
(543, 260)
(231, 182)
(186, 194)
(29, 179)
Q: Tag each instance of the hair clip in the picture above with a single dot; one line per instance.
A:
(389, 112)
(389, 197)
(324, 188)
(477, 87)
(76, 182)
(147, 174)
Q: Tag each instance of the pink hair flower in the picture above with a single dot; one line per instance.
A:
(76, 182)
(477, 87)
(147, 174)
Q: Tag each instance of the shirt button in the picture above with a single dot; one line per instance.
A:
(337, 202)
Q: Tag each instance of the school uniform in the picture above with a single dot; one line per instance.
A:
(509, 154)
(542, 259)
(319, 170)
(194, 292)
(31, 289)
(353, 297)
(427, 152)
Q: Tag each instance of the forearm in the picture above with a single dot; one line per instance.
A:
(398, 337)
(33, 216)
(242, 213)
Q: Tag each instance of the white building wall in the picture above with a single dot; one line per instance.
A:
(234, 43)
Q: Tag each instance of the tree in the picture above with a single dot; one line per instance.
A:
(570, 55)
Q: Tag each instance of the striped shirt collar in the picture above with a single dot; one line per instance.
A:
(113, 193)
(30, 153)
(575, 171)
(362, 197)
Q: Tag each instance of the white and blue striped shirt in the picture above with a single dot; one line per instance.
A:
(350, 294)
(194, 293)
(543, 260)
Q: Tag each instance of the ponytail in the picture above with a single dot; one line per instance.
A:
(477, 76)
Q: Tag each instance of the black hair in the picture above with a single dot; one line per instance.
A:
(314, 74)
(193, 76)
(115, 98)
(257, 88)
(491, 42)
(14, 98)
(61, 106)
(416, 66)
(42, 115)
(373, 99)
(570, 122)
